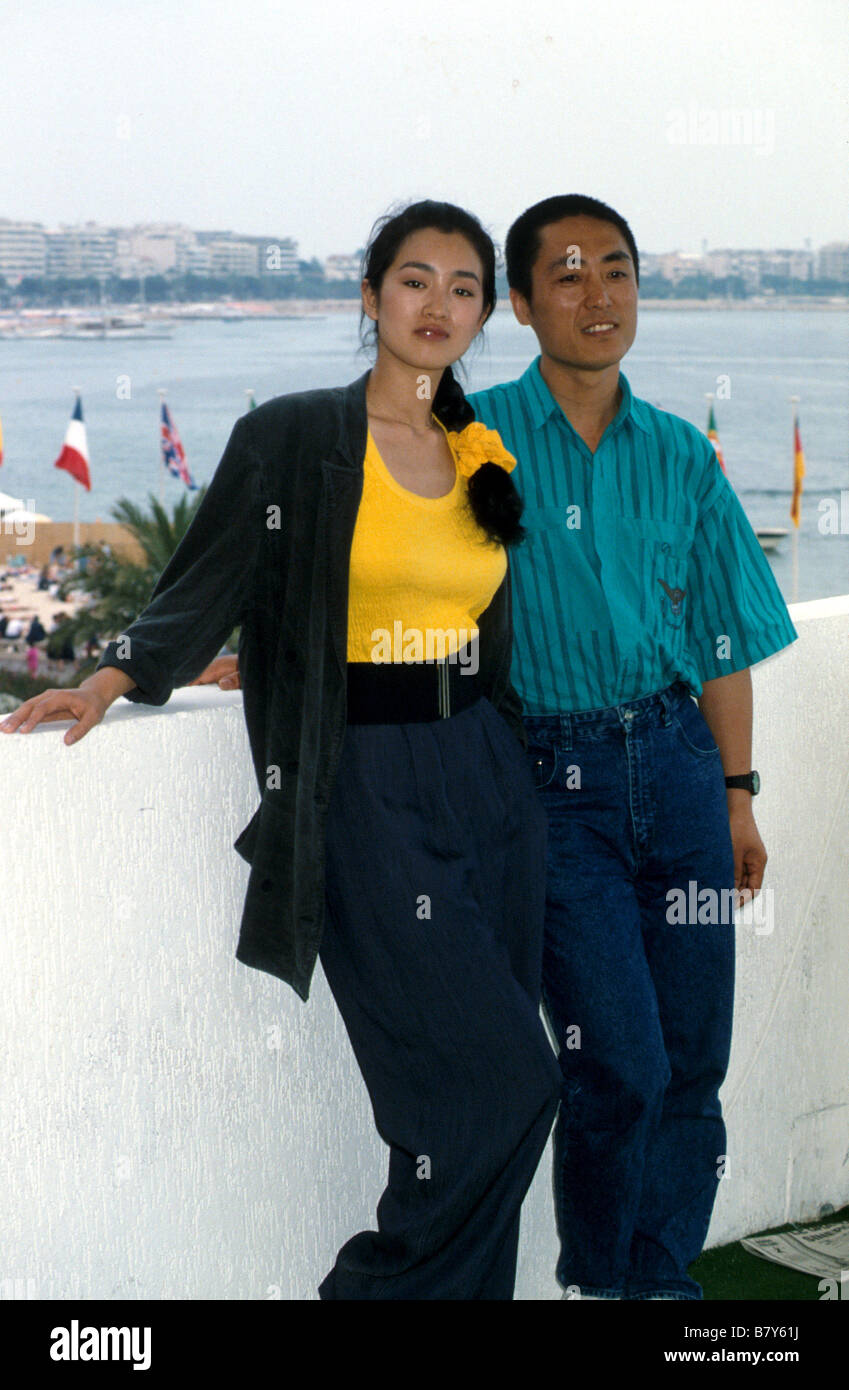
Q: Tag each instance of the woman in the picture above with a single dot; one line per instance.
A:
(358, 537)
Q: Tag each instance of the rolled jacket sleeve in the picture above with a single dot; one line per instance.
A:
(206, 585)
(737, 615)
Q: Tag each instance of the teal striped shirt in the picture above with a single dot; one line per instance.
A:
(639, 568)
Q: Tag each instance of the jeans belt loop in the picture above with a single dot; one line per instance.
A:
(666, 701)
(566, 732)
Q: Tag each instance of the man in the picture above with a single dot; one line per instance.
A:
(640, 581)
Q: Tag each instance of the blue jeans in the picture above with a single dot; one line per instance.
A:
(637, 985)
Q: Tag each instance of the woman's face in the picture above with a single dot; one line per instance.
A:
(430, 305)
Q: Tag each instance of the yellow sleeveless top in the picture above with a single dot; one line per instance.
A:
(422, 570)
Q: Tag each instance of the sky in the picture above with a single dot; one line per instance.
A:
(725, 122)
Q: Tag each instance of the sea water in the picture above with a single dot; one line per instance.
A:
(753, 360)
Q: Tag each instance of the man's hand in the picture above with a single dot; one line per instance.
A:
(749, 850)
(224, 670)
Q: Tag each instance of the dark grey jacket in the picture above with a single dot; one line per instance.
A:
(269, 550)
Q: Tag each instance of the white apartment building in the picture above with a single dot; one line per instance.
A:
(249, 255)
(86, 249)
(23, 249)
(833, 262)
(343, 267)
(276, 255)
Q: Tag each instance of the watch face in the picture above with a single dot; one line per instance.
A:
(756, 784)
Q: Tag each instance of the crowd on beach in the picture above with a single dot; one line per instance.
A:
(34, 620)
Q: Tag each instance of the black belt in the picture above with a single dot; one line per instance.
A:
(402, 692)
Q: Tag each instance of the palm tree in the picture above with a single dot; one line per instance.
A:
(158, 534)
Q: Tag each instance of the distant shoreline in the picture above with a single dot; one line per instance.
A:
(214, 311)
(789, 304)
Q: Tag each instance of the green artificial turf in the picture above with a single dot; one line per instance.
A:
(730, 1272)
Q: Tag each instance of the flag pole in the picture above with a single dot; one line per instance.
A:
(161, 394)
(77, 391)
(794, 401)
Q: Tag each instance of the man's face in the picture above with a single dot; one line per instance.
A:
(583, 305)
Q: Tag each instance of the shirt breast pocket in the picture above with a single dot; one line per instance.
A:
(664, 557)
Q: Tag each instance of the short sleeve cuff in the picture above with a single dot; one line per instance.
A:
(755, 647)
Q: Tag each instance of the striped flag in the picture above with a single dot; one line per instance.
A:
(798, 473)
(74, 455)
(714, 439)
(173, 453)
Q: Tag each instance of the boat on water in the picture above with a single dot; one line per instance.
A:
(117, 326)
(20, 330)
(770, 537)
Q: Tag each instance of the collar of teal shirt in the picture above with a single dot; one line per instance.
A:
(542, 405)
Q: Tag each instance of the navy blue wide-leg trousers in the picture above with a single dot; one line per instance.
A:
(435, 882)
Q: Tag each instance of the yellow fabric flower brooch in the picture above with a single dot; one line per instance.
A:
(476, 445)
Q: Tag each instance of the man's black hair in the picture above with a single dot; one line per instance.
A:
(523, 239)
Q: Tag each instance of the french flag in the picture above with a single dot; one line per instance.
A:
(74, 455)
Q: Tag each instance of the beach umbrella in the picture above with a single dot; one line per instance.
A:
(21, 514)
(9, 503)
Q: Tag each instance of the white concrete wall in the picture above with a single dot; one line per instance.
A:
(175, 1125)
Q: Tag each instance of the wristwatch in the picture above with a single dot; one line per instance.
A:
(751, 782)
